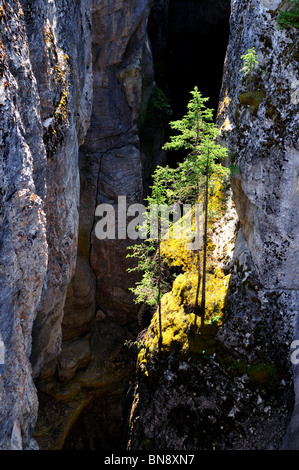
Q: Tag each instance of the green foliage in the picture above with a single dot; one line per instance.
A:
(163, 188)
(192, 180)
(250, 62)
(197, 134)
(160, 102)
(234, 169)
(149, 289)
(193, 126)
(135, 344)
(158, 111)
(146, 290)
(289, 18)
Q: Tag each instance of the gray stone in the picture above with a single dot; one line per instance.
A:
(262, 135)
(42, 74)
(74, 356)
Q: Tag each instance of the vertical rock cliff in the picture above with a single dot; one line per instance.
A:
(77, 129)
(110, 160)
(259, 119)
(90, 377)
(46, 83)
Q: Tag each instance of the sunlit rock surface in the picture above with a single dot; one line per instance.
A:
(45, 89)
(99, 310)
(80, 75)
(258, 117)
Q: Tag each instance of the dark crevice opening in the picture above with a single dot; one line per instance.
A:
(189, 40)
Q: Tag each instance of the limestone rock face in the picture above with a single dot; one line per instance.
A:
(258, 117)
(80, 303)
(95, 368)
(75, 355)
(66, 307)
(63, 71)
(110, 159)
(231, 389)
(44, 66)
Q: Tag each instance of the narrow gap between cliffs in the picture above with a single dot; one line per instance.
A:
(189, 40)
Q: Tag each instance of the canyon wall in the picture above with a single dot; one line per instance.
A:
(242, 395)
(259, 119)
(110, 160)
(88, 380)
(66, 305)
(76, 80)
(46, 89)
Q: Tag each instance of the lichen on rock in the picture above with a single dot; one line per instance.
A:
(39, 191)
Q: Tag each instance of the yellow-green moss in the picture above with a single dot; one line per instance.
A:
(177, 306)
(59, 76)
(252, 99)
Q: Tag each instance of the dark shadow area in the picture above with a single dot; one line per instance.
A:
(99, 427)
(189, 39)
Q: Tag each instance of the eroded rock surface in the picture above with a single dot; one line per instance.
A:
(111, 165)
(45, 83)
(65, 315)
(239, 394)
(259, 119)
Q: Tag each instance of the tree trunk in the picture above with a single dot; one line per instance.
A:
(205, 243)
(197, 307)
(159, 298)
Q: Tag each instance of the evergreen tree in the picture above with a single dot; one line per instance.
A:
(289, 18)
(191, 180)
(250, 61)
(149, 289)
(196, 133)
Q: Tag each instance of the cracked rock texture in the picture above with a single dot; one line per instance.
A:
(111, 160)
(45, 101)
(247, 402)
(259, 121)
(93, 370)
(80, 75)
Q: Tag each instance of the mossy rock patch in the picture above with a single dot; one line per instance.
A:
(252, 99)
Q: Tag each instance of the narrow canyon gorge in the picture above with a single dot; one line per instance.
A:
(87, 91)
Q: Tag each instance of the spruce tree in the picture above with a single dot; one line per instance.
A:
(197, 134)
(289, 18)
(185, 184)
(149, 289)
